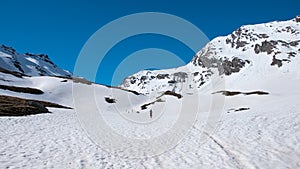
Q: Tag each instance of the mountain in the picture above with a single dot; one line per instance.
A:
(29, 64)
(262, 47)
(15, 69)
(235, 105)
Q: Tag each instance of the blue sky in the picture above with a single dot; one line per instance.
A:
(61, 28)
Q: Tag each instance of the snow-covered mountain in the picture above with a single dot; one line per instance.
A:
(29, 64)
(263, 47)
(257, 125)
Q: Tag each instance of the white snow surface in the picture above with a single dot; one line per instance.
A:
(267, 135)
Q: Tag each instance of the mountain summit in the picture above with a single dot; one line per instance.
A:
(29, 64)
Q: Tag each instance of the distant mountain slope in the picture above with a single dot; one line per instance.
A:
(29, 64)
(262, 47)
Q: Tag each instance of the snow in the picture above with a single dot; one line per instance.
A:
(33, 60)
(5, 55)
(267, 135)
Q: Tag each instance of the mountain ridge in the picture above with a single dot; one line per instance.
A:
(278, 42)
(29, 64)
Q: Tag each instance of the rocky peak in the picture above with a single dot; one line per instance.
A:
(29, 64)
(277, 43)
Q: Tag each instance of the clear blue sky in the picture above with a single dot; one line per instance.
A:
(60, 28)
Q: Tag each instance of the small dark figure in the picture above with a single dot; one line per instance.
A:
(151, 113)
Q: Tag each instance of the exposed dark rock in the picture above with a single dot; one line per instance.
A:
(16, 74)
(202, 83)
(14, 106)
(172, 94)
(242, 109)
(180, 76)
(286, 44)
(238, 109)
(292, 54)
(143, 78)
(110, 100)
(132, 81)
(266, 46)
(228, 93)
(196, 73)
(233, 66)
(263, 36)
(172, 81)
(297, 19)
(226, 66)
(41, 71)
(81, 80)
(233, 93)
(283, 43)
(277, 62)
(21, 89)
(152, 77)
(294, 43)
(162, 76)
(256, 92)
(40, 107)
(11, 50)
(145, 106)
(240, 44)
(290, 29)
(17, 65)
(236, 37)
(228, 41)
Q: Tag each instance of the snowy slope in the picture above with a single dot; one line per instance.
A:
(253, 131)
(265, 136)
(29, 64)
